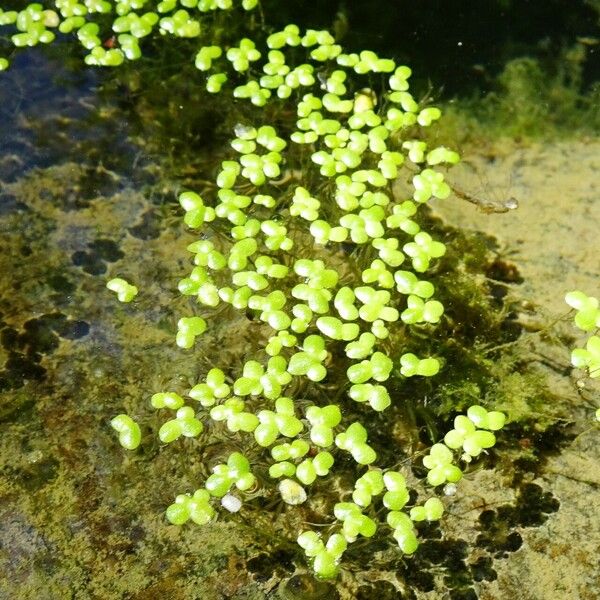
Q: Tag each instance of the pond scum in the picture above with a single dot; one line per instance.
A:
(361, 307)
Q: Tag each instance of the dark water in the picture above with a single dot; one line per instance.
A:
(458, 46)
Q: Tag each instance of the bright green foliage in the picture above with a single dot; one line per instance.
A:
(188, 329)
(344, 304)
(400, 218)
(314, 271)
(323, 232)
(275, 236)
(354, 440)
(283, 339)
(167, 400)
(588, 357)
(296, 449)
(412, 365)
(428, 115)
(196, 212)
(235, 472)
(439, 462)
(430, 183)
(362, 347)
(399, 80)
(335, 329)
(304, 205)
(252, 91)
(256, 282)
(587, 318)
(367, 486)
(99, 57)
(88, 36)
(231, 206)
(465, 436)
(196, 507)
(388, 252)
(125, 291)
(308, 470)
(379, 330)
(354, 522)
(180, 24)
(199, 283)
(128, 430)
(282, 469)
(185, 423)
(375, 305)
(205, 57)
(408, 283)
(240, 253)
(206, 255)
(242, 56)
(378, 367)
(258, 258)
(378, 273)
(31, 23)
(420, 311)
(375, 395)
(442, 155)
(232, 411)
(214, 83)
(309, 361)
(432, 510)
(325, 557)
(396, 495)
(322, 422)
(266, 266)
(257, 380)
(282, 421)
(480, 417)
(269, 306)
(416, 150)
(214, 388)
(34, 25)
(404, 531)
(422, 250)
(289, 36)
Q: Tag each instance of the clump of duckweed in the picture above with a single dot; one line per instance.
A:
(126, 23)
(301, 232)
(125, 291)
(334, 270)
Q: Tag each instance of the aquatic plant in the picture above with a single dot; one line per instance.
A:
(125, 291)
(304, 234)
(111, 30)
(587, 319)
